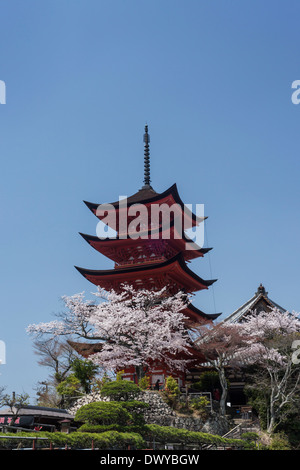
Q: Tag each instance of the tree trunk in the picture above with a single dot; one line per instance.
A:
(272, 422)
(140, 372)
(224, 386)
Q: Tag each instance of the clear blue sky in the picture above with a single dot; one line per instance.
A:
(213, 81)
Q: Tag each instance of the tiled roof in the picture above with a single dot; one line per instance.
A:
(39, 411)
(250, 305)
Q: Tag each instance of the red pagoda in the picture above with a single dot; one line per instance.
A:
(156, 258)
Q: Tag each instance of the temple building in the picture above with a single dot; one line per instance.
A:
(260, 302)
(148, 252)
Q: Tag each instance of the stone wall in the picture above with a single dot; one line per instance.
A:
(159, 412)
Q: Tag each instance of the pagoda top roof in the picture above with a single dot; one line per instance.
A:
(146, 195)
(259, 302)
(143, 195)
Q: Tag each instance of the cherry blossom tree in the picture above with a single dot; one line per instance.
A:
(132, 326)
(271, 338)
(220, 344)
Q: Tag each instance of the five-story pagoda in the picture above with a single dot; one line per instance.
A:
(150, 250)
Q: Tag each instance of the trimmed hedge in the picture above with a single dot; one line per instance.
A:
(7, 443)
(75, 440)
(166, 434)
(112, 413)
(133, 404)
(103, 413)
(108, 437)
(98, 428)
(120, 390)
(104, 440)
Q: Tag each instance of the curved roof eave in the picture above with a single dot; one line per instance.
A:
(176, 259)
(143, 197)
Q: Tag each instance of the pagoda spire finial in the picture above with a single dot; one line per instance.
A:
(146, 158)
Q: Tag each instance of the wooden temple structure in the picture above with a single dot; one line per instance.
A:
(153, 260)
(259, 302)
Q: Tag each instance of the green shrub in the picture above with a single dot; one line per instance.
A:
(144, 383)
(250, 436)
(120, 390)
(171, 386)
(103, 413)
(200, 405)
(133, 404)
(99, 382)
(279, 442)
(171, 392)
(135, 407)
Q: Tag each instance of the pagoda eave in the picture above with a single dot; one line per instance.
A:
(118, 249)
(173, 272)
(85, 349)
(198, 316)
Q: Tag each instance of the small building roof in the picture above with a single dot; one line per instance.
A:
(259, 302)
(31, 410)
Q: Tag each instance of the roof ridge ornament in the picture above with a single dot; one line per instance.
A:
(261, 290)
(146, 159)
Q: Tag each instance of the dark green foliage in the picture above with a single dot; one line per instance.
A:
(120, 390)
(98, 428)
(166, 434)
(259, 400)
(291, 427)
(84, 371)
(76, 440)
(134, 405)
(105, 440)
(279, 442)
(103, 413)
(135, 409)
(113, 439)
(208, 382)
(121, 413)
(250, 436)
